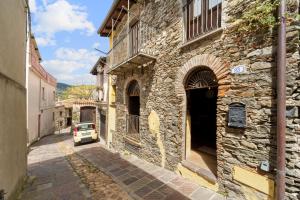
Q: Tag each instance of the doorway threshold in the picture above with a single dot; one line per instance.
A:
(206, 174)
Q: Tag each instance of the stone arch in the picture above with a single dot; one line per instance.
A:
(127, 81)
(220, 69)
(133, 88)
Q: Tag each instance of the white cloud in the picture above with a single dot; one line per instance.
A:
(82, 55)
(72, 65)
(32, 6)
(57, 66)
(45, 41)
(60, 16)
(77, 79)
(96, 45)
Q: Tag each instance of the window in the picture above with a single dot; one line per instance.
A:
(101, 79)
(43, 93)
(197, 8)
(201, 17)
(213, 3)
(84, 127)
(60, 113)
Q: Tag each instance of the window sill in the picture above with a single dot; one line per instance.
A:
(133, 141)
(202, 37)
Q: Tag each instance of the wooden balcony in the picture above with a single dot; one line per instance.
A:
(132, 49)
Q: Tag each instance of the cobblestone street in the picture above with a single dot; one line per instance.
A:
(57, 170)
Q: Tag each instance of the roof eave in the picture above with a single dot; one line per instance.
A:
(110, 12)
(94, 69)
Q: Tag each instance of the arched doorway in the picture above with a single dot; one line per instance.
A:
(201, 88)
(133, 107)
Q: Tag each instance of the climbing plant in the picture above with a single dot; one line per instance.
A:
(260, 17)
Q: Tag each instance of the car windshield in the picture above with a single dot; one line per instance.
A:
(83, 127)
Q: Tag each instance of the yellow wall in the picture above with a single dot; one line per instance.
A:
(111, 112)
(111, 40)
(253, 180)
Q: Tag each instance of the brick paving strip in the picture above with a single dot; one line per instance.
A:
(100, 185)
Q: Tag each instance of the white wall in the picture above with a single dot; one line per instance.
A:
(47, 109)
(33, 106)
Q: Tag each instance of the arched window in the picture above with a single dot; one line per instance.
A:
(201, 78)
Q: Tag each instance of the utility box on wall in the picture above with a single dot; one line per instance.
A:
(237, 115)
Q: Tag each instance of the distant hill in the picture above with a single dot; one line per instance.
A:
(77, 92)
(61, 87)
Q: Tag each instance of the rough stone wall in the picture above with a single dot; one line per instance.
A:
(256, 89)
(60, 114)
(293, 108)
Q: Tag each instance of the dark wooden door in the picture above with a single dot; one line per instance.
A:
(88, 114)
(103, 126)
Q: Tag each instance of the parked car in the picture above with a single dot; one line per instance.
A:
(84, 132)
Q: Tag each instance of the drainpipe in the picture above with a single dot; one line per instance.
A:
(281, 102)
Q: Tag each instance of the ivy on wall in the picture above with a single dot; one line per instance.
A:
(260, 17)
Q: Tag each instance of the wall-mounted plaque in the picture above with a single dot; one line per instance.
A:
(240, 69)
(237, 115)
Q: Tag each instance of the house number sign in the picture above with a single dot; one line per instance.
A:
(240, 69)
(237, 115)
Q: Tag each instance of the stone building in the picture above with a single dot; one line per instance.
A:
(192, 88)
(100, 71)
(41, 87)
(85, 111)
(63, 114)
(60, 119)
(14, 35)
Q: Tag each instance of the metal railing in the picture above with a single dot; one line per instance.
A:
(137, 39)
(133, 126)
(201, 17)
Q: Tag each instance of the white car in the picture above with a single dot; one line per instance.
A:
(84, 132)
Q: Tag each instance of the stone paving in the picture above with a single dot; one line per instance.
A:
(50, 175)
(140, 179)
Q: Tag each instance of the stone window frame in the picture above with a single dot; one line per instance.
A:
(222, 71)
(204, 36)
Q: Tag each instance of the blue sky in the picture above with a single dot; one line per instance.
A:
(66, 33)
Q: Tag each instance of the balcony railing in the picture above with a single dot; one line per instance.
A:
(201, 17)
(134, 47)
(133, 127)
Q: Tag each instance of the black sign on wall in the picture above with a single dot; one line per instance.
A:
(237, 115)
